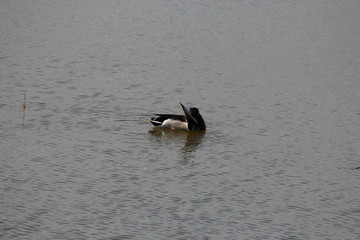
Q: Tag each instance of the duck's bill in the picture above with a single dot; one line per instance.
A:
(188, 116)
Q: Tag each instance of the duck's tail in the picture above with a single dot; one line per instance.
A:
(155, 123)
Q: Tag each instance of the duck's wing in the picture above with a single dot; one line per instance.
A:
(157, 121)
(171, 116)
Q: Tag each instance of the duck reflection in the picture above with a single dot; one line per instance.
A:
(192, 141)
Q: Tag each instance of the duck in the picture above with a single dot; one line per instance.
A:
(192, 121)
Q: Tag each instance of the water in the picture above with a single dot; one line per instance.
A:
(278, 84)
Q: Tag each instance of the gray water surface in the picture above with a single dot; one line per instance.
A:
(277, 82)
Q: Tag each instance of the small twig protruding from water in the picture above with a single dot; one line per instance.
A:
(24, 104)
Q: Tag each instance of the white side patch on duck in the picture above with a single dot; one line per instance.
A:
(174, 124)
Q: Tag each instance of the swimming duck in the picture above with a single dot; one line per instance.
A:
(192, 121)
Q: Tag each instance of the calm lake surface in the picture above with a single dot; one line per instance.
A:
(277, 82)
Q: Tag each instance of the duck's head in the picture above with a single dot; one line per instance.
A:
(194, 112)
(194, 119)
